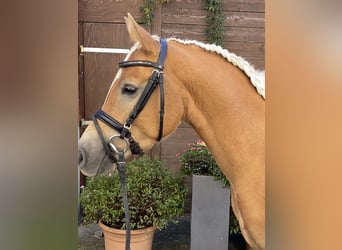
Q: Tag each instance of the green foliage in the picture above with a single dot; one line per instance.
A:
(147, 10)
(155, 196)
(197, 159)
(215, 17)
(234, 227)
(215, 20)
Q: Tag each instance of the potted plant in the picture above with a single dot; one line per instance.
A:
(198, 162)
(155, 195)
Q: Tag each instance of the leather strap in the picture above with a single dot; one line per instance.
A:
(123, 129)
(139, 63)
(108, 120)
(105, 145)
(155, 79)
(122, 174)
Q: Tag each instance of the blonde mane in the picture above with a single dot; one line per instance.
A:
(257, 77)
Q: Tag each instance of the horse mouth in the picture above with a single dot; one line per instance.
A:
(81, 159)
(89, 167)
(102, 167)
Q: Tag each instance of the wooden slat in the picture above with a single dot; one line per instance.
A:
(100, 70)
(156, 22)
(244, 19)
(186, 4)
(183, 134)
(176, 143)
(197, 32)
(184, 125)
(172, 148)
(192, 32)
(107, 35)
(232, 5)
(244, 34)
(246, 50)
(243, 5)
(198, 17)
(258, 63)
(108, 10)
(184, 16)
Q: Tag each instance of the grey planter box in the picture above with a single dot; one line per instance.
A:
(209, 214)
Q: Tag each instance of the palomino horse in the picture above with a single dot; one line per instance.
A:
(218, 93)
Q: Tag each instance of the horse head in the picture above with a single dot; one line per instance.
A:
(130, 114)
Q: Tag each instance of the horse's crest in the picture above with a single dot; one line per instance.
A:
(257, 77)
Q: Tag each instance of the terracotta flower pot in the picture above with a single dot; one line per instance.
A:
(115, 239)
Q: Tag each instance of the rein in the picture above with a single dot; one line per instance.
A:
(110, 146)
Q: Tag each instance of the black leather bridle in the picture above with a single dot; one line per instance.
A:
(124, 129)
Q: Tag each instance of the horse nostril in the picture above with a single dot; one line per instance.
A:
(81, 158)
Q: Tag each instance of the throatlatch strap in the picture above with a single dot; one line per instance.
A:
(161, 59)
(161, 112)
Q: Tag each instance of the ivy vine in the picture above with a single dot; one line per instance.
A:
(147, 10)
(215, 17)
(215, 20)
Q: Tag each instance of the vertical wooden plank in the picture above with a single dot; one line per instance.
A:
(157, 21)
(108, 11)
(99, 68)
(106, 35)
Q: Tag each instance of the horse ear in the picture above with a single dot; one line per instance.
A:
(139, 34)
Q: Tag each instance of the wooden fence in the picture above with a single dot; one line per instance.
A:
(101, 24)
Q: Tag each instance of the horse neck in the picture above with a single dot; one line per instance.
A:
(223, 108)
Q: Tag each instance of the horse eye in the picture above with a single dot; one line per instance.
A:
(128, 90)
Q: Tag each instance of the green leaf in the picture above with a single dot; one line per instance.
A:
(156, 196)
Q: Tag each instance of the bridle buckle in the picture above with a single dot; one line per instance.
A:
(127, 126)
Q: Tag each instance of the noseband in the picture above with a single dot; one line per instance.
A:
(124, 129)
